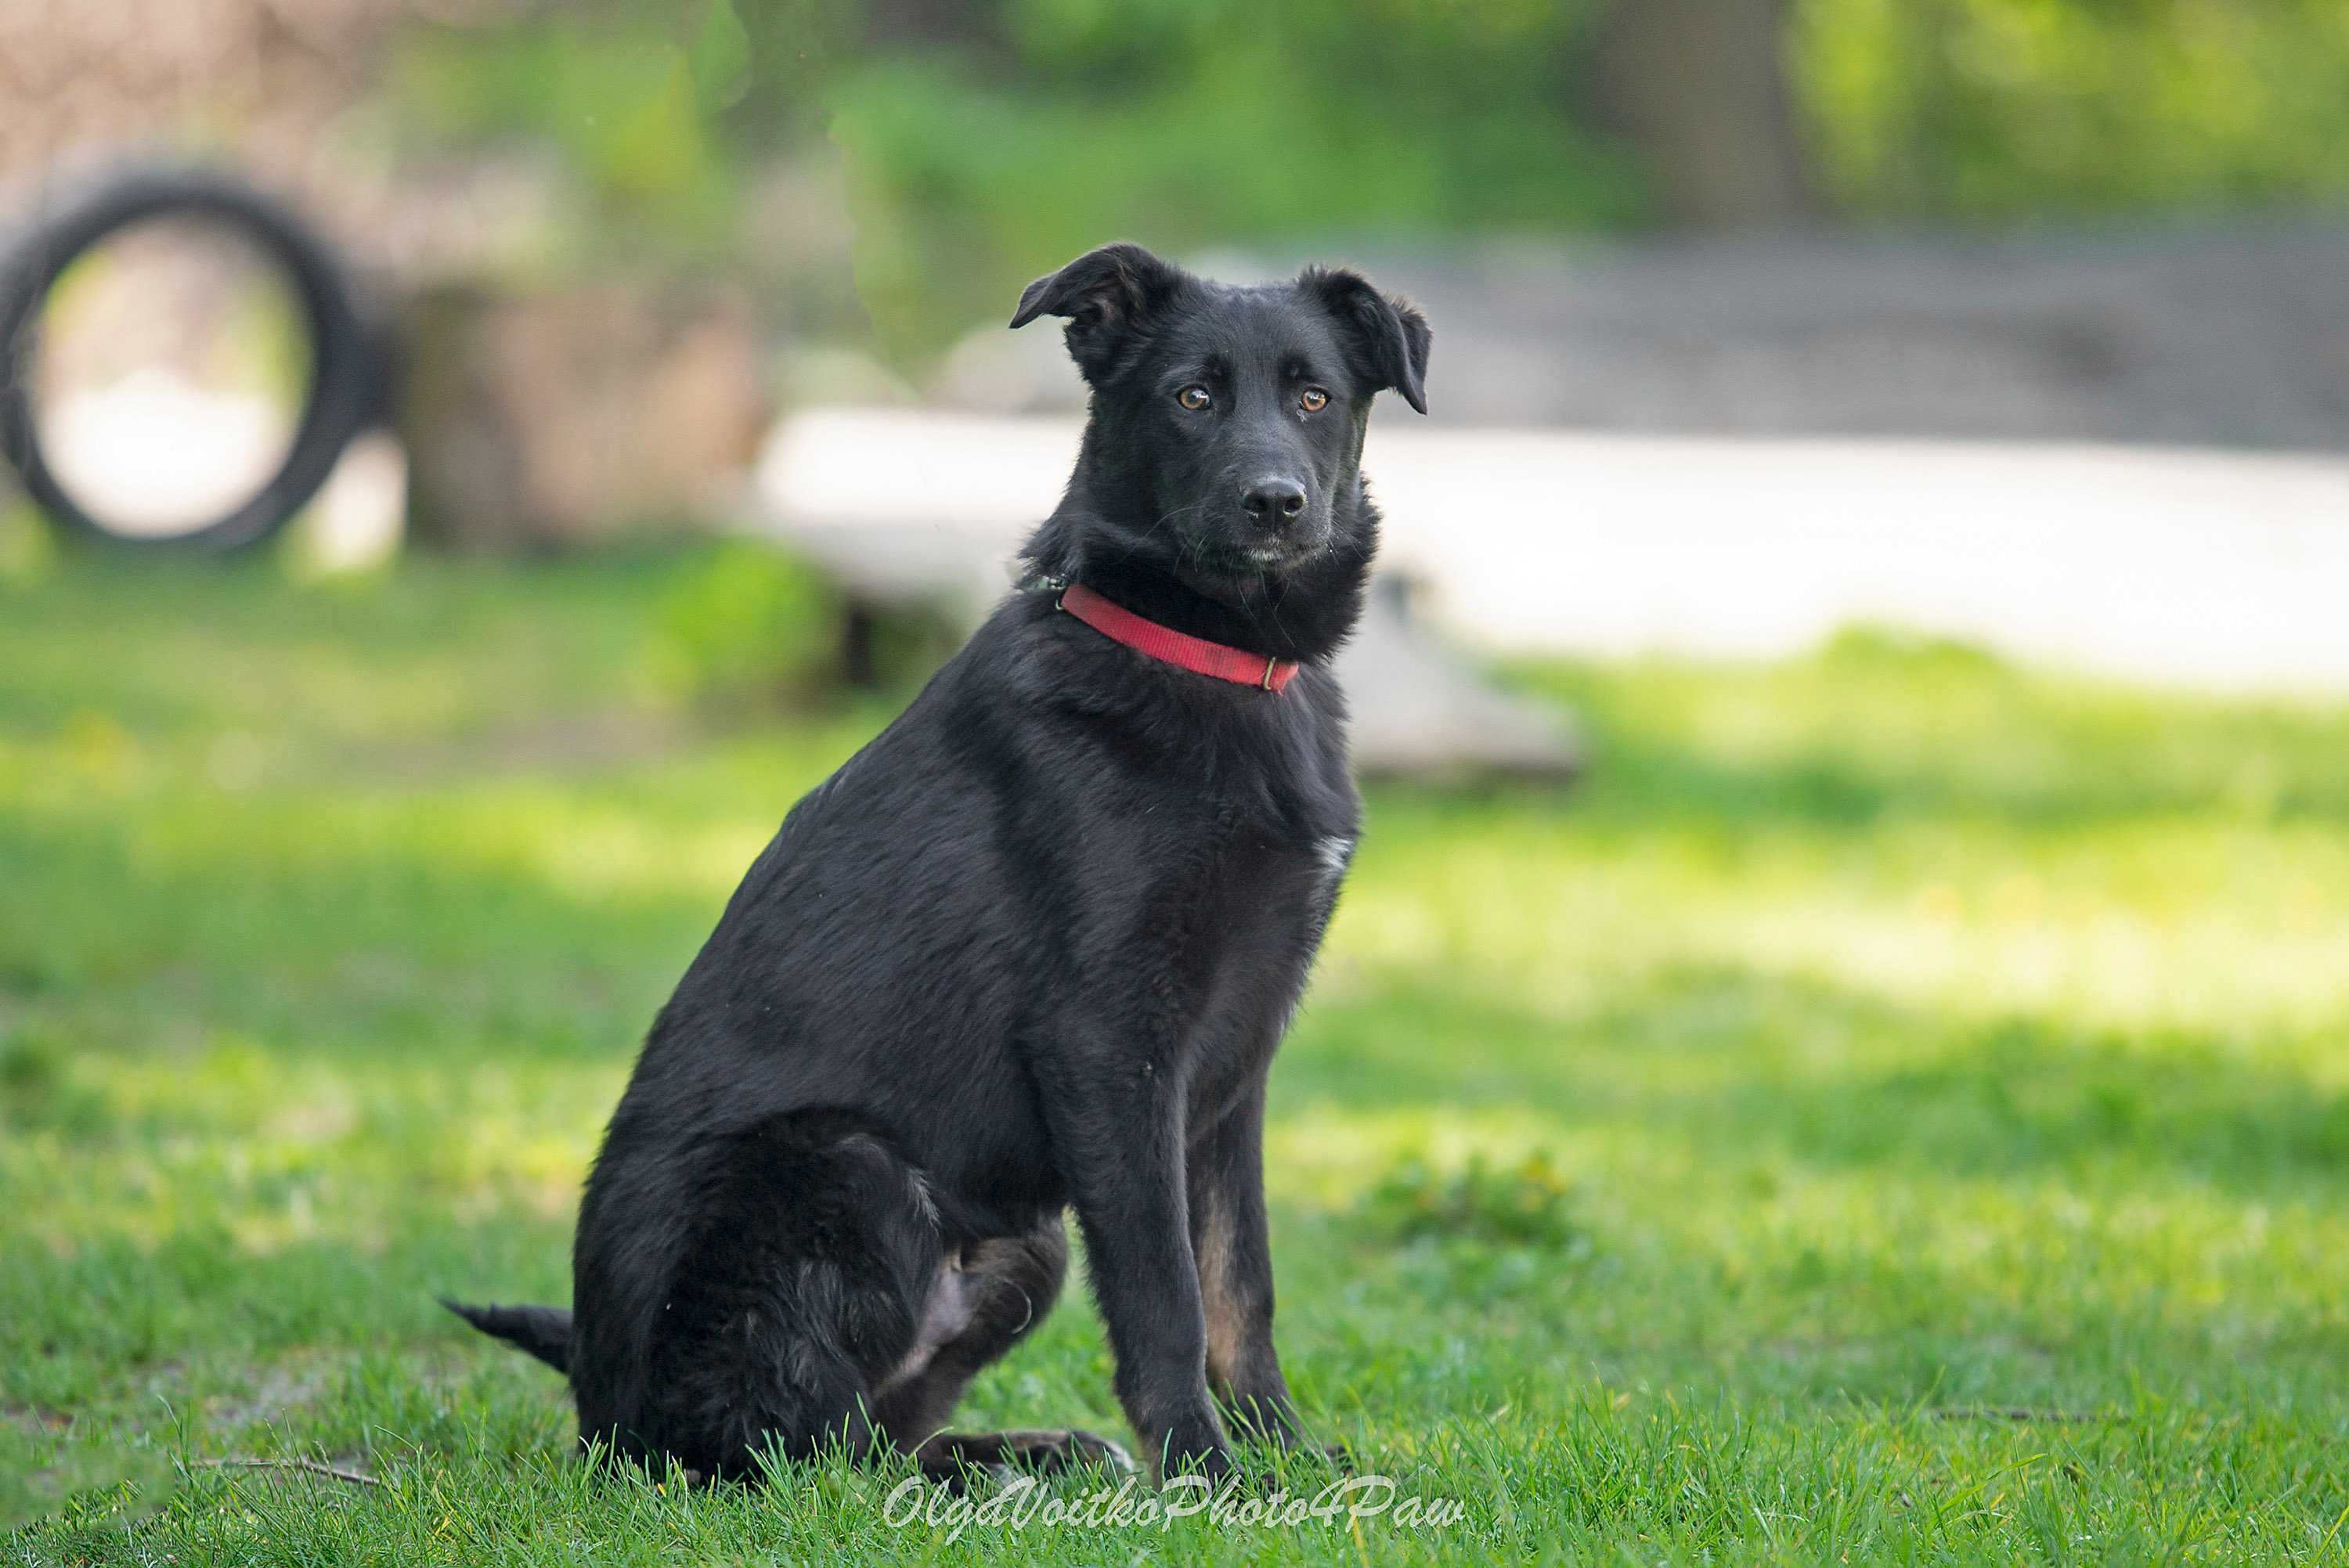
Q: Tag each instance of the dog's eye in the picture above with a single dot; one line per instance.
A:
(1193, 398)
(1313, 399)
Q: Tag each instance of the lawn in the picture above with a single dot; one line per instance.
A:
(1897, 1110)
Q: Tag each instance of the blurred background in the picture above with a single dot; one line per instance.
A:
(2022, 321)
(1854, 917)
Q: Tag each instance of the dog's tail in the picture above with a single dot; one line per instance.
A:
(543, 1331)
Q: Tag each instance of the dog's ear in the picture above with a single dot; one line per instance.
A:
(1102, 292)
(1388, 336)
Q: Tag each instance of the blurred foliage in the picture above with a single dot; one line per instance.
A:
(747, 628)
(26, 548)
(1969, 108)
(1012, 136)
(986, 143)
(613, 97)
(1213, 121)
(748, 625)
(1526, 1201)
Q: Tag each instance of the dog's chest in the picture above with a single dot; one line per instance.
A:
(1284, 876)
(1332, 852)
(1267, 907)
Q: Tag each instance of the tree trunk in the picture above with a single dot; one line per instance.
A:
(1699, 87)
(572, 415)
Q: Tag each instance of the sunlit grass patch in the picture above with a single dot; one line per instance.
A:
(1899, 1108)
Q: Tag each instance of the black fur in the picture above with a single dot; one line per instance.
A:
(543, 1331)
(1030, 949)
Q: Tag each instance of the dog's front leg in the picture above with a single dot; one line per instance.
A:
(1231, 1241)
(1117, 1131)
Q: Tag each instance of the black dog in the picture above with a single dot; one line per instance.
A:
(1033, 947)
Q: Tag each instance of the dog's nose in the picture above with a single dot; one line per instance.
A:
(1273, 502)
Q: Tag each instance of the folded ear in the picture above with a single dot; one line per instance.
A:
(1388, 336)
(1102, 292)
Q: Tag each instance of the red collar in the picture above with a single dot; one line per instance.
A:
(1193, 654)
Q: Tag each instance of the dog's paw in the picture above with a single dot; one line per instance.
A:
(1089, 1448)
(1004, 1457)
(1212, 1463)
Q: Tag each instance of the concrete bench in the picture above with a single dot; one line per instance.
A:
(911, 508)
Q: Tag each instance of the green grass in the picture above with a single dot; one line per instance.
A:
(1898, 1110)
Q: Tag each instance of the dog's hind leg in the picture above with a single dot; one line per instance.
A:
(798, 1288)
(986, 1299)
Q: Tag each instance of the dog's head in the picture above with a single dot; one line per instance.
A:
(1227, 422)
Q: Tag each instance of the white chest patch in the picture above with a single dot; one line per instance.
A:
(1335, 852)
